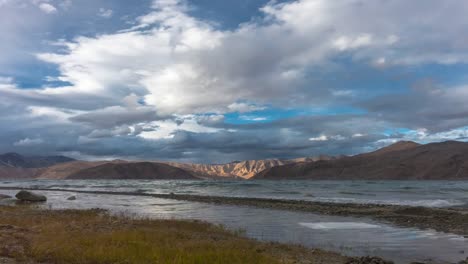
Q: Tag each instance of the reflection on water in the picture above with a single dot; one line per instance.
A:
(352, 236)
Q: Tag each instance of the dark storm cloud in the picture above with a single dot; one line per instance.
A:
(427, 105)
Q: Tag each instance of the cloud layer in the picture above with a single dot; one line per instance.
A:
(303, 78)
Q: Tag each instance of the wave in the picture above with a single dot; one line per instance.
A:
(339, 225)
(424, 203)
(357, 193)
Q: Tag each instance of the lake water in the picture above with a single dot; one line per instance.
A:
(414, 193)
(352, 236)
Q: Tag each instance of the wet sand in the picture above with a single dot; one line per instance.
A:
(450, 220)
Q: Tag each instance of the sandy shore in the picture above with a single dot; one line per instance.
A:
(450, 220)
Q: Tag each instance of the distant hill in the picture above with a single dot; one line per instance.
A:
(16, 166)
(15, 160)
(400, 161)
(19, 173)
(137, 170)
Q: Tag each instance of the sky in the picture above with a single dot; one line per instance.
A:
(216, 81)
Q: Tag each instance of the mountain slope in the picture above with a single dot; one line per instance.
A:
(19, 173)
(16, 166)
(401, 145)
(14, 160)
(242, 169)
(446, 160)
(137, 170)
(64, 170)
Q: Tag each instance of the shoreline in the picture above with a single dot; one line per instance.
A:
(448, 220)
(32, 235)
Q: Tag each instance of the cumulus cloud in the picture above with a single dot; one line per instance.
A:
(47, 8)
(185, 65)
(131, 112)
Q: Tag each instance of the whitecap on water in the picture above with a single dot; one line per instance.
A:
(339, 225)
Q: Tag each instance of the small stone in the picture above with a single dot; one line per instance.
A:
(71, 198)
(4, 196)
(30, 197)
(368, 260)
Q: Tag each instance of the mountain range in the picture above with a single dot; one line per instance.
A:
(403, 160)
(400, 161)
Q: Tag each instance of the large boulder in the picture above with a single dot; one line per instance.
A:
(30, 197)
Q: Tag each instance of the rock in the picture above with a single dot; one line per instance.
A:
(71, 198)
(3, 196)
(463, 261)
(30, 197)
(368, 260)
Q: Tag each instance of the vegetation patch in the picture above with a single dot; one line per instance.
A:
(32, 235)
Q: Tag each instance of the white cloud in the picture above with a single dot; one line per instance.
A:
(5, 2)
(343, 92)
(244, 107)
(29, 142)
(47, 8)
(105, 13)
(343, 43)
(357, 135)
(165, 129)
(253, 118)
(326, 138)
(56, 114)
(319, 138)
(6, 80)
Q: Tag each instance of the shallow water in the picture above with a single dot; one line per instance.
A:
(348, 235)
(413, 193)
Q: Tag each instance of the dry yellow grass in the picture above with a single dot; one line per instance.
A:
(93, 236)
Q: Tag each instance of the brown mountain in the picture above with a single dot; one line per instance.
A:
(240, 169)
(137, 170)
(401, 145)
(64, 170)
(403, 160)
